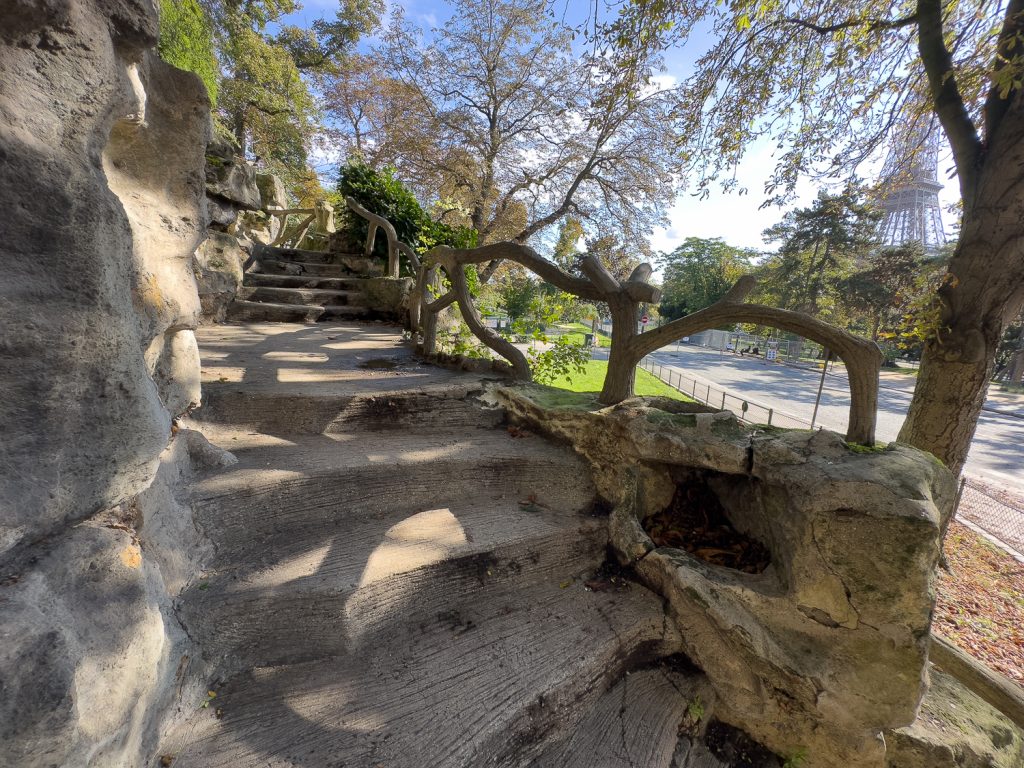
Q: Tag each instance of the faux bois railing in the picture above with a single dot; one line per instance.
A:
(862, 357)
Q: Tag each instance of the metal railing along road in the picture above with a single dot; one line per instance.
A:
(717, 397)
(998, 514)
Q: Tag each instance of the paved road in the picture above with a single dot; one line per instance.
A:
(997, 451)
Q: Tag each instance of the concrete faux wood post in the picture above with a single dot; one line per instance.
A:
(862, 357)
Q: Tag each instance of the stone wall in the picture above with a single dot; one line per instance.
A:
(237, 197)
(101, 146)
(823, 651)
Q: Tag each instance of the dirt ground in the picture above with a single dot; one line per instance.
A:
(980, 604)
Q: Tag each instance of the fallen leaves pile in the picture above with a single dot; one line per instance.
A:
(696, 522)
(980, 606)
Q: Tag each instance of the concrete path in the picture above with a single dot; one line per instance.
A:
(401, 581)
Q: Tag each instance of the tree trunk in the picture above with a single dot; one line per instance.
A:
(621, 376)
(983, 291)
(238, 128)
(1015, 370)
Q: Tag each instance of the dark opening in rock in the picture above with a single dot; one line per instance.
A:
(736, 749)
(696, 521)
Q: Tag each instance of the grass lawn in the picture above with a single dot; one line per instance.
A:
(574, 333)
(592, 380)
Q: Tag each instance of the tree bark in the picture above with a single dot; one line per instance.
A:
(959, 356)
(620, 379)
(983, 292)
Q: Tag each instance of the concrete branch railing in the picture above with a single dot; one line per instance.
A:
(395, 246)
(315, 222)
(862, 357)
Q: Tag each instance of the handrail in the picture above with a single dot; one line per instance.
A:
(318, 222)
(395, 246)
(863, 358)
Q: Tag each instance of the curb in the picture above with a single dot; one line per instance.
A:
(1000, 692)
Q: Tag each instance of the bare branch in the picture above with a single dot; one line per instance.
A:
(870, 24)
(949, 104)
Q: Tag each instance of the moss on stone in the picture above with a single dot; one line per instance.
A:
(858, 448)
(663, 419)
(553, 397)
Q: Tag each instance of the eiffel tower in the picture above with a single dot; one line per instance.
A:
(911, 205)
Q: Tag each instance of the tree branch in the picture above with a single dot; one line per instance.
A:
(949, 104)
(996, 104)
(862, 357)
(521, 254)
(871, 24)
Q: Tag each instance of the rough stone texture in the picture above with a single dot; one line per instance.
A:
(103, 210)
(255, 227)
(90, 656)
(101, 149)
(230, 177)
(827, 647)
(221, 213)
(272, 191)
(218, 266)
(388, 296)
(955, 729)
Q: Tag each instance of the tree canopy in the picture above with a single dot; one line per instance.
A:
(698, 273)
(514, 126)
(261, 71)
(830, 81)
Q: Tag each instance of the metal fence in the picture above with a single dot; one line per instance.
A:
(745, 409)
(999, 515)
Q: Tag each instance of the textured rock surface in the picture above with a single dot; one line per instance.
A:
(398, 580)
(827, 647)
(104, 208)
(218, 267)
(272, 191)
(101, 147)
(231, 178)
(91, 658)
(955, 729)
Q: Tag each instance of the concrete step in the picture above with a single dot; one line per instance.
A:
(262, 311)
(481, 678)
(248, 311)
(327, 534)
(314, 297)
(303, 281)
(442, 407)
(290, 485)
(370, 580)
(309, 257)
(638, 723)
(276, 267)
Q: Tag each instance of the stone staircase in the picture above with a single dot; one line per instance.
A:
(296, 286)
(400, 580)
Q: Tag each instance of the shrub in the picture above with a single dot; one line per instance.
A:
(186, 41)
(381, 193)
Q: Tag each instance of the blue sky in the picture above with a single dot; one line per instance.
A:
(738, 219)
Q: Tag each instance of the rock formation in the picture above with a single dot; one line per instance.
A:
(101, 146)
(238, 198)
(827, 647)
